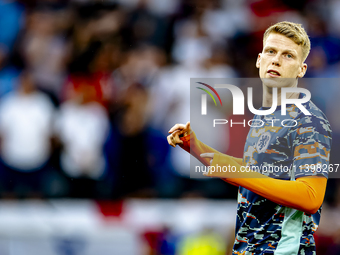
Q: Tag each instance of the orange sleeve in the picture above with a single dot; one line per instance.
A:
(305, 194)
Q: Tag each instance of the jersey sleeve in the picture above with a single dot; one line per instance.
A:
(311, 141)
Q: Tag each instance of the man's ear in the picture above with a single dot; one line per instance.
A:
(302, 71)
(258, 60)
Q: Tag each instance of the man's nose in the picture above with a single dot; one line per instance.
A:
(276, 60)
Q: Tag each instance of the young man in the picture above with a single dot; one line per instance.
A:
(278, 212)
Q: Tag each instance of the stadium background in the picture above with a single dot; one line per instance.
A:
(94, 87)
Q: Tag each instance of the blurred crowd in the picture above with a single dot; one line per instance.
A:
(89, 89)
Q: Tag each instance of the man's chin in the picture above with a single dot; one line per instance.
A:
(279, 82)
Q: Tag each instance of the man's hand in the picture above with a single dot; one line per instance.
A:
(177, 131)
(209, 155)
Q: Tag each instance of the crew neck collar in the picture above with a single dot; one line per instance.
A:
(301, 95)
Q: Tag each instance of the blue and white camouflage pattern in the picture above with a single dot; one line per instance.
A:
(304, 150)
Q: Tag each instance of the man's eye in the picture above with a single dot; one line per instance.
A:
(270, 51)
(289, 56)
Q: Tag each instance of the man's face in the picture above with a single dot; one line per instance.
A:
(280, 58)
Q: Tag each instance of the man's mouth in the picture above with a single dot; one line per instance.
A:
(273, 73)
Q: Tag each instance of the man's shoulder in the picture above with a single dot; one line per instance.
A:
(315, 123)
(317, 118)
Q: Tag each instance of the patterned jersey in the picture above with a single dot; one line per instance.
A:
(284, 147)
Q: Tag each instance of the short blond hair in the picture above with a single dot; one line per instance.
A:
(293, 31)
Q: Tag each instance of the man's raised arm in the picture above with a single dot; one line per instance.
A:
(185, 137)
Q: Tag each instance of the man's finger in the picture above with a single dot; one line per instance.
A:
(170, 142)
(187, 126)
(207, 155)
(176, 138)
(177, 127)
(187, 129)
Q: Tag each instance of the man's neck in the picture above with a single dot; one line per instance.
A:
(267, 100)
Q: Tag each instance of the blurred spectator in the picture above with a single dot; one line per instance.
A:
(141, 66)
(78, 84)
(25, 130)
(327, 236)
(8, 79)
(192, 46)
(207, 242)
(95, 26)
(105, 57)
(11, 13)
(130, 145)
(82, 125)
(145, 27)
(197, 56)
(45, 50)
(160, 242)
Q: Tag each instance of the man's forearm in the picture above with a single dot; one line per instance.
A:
(305, 194)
